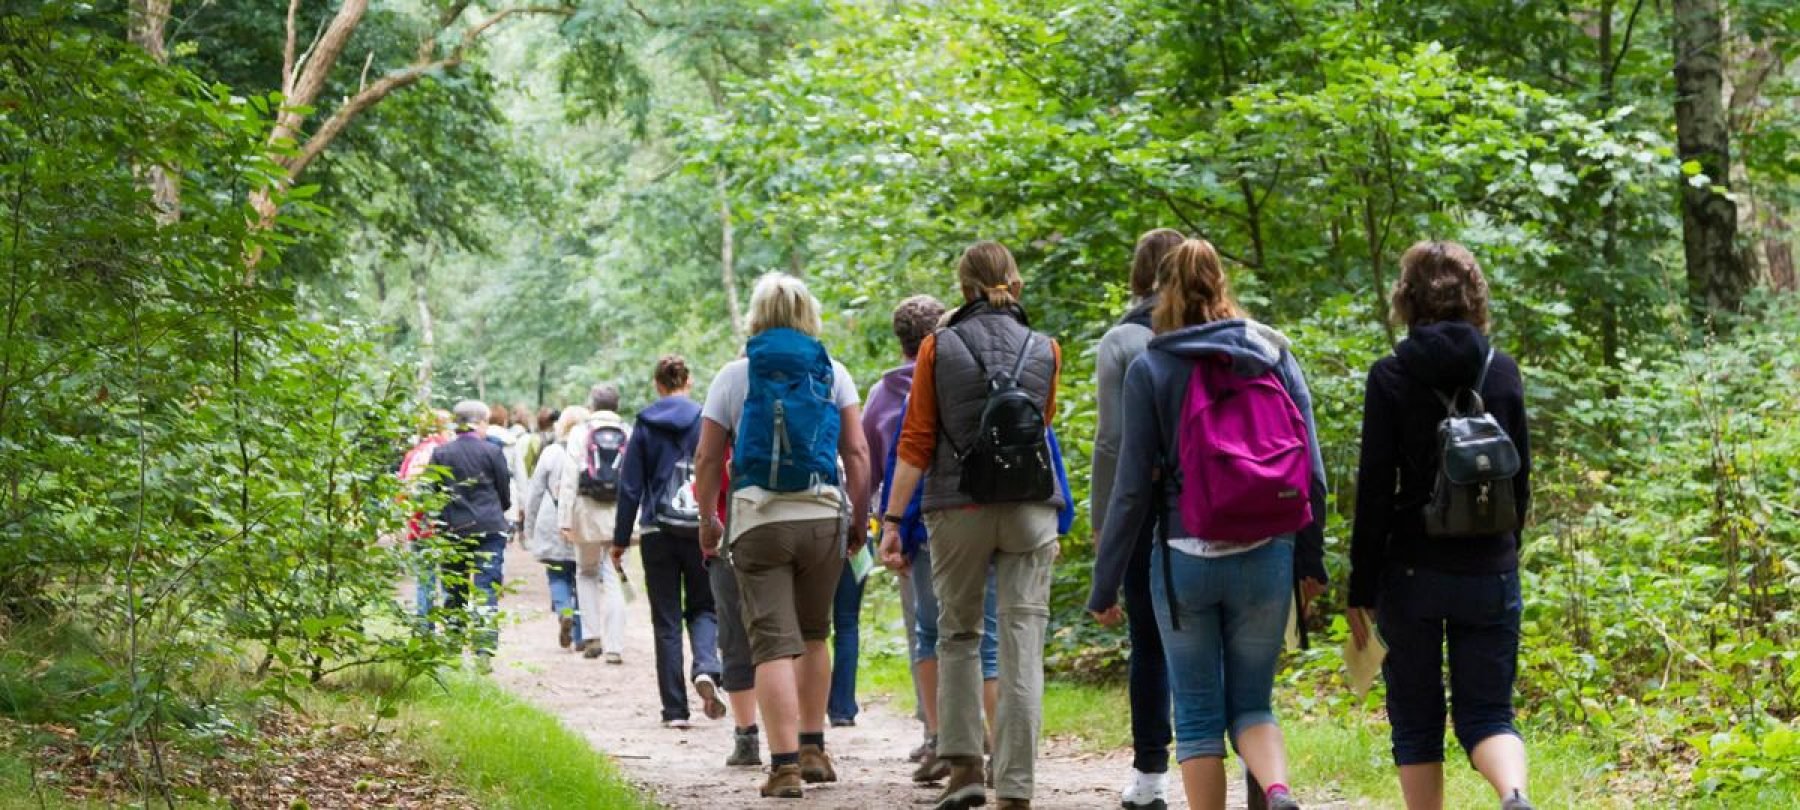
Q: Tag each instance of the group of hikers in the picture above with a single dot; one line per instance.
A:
(752, 511)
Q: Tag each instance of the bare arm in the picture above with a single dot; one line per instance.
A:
(709, 473)
(853, 448)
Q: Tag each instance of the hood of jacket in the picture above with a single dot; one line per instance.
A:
(673, 413)
(1139, 314)
(897, 382)
(1254, 348)
(1444, 356)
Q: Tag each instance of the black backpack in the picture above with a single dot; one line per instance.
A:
(678, 510)
(599, 474)
(1473, 494)
(1010, 460)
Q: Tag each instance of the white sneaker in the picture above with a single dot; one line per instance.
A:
(1147, 791)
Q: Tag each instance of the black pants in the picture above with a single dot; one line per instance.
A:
(1151, 732)
(1476, 616)
(680, 593)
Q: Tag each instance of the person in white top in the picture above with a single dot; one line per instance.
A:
(588, 524)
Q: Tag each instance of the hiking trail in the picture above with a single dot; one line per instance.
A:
(616, 708)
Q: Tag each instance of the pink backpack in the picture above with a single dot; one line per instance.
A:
(1245, 465)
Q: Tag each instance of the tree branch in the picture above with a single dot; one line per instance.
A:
(368, 96)
(1625, 43)
(287, 50)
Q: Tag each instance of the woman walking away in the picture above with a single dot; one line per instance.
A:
(1435, 561)
(789, 414)
(1218, 398)
(1149, 675)
(984, 392)
(543, 534)
(656, 492)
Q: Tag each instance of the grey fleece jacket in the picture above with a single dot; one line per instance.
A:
(1155, 386)
(1118, 347)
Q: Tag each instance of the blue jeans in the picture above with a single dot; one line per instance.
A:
(562, 593)
(477, 566)
(925, 607)
(1477, 615)
(425, 590)
(846, 644)
(1234, 613)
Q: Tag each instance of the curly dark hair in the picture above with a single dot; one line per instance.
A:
(672, 372)
(1440, 281)
(915, 318)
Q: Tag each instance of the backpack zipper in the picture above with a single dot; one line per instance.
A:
(778, 442)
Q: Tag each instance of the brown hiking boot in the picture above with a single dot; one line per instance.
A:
(784, 783)
(815, 765)
(591, 649)
(964, 789)
(565, 634)
(1014, 804)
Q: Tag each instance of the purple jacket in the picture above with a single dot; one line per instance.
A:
(881, 417)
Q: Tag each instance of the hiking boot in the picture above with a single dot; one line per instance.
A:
(1280, 799)
(931, 767)
(1516, 801)
(746, 751)
(709, 696)
(964, 788)
(1014, 804)
(784, 783)
(615, 659)
(591, 649)
(1147, 791)
(565, 635)
(815, 765)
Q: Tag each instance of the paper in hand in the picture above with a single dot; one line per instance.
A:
(862, 562)
(1361, 666)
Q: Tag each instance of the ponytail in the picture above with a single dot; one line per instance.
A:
(987, 270)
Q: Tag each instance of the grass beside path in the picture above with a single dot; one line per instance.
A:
(507, 753)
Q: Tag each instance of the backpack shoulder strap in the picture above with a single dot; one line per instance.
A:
(979, 365)
(1024, 352)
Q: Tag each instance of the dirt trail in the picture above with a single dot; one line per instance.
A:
(616, 708)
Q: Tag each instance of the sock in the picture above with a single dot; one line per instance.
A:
(1275, 790)
(813, 738)
(749, 729)
(778, 760)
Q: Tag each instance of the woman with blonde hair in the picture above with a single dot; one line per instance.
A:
(543, 531)
(788, 413)
(1219, 447)
(984, 393)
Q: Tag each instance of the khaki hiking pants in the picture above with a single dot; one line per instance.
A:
(1020, 541)
(599, 590)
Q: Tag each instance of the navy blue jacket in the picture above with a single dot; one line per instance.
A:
(1155, 387)
(479, 483)
(1399, 462)
(665, 433)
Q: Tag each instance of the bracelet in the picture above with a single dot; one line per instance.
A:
(894, 519)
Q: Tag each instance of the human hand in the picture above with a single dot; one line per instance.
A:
(1110, 617)
(891, 556)
(1360, 626)
(711, 532)
(1309, 590)
(618, 556)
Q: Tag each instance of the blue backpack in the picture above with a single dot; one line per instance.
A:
(787, 440)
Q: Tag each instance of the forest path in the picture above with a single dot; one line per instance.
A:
(616, 708)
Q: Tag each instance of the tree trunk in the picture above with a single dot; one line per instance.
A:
(727, 261)
(148, 20)
(1778, 252)
(1717, 276)
(427, 338)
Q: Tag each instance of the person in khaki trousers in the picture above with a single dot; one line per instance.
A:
(588, 524)
(990, 331)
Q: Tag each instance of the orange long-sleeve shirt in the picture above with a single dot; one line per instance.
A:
(918, 436)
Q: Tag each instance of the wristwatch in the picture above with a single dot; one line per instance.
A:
(894, 519)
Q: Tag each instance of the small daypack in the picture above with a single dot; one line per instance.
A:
(600, 462)
(1009, 461)
(787, 438)
(1473, 493)
(1245, 466)
(677, 512)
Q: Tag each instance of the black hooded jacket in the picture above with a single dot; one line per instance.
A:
(1401, 413)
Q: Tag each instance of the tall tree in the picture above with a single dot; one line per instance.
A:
(1718, 276)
